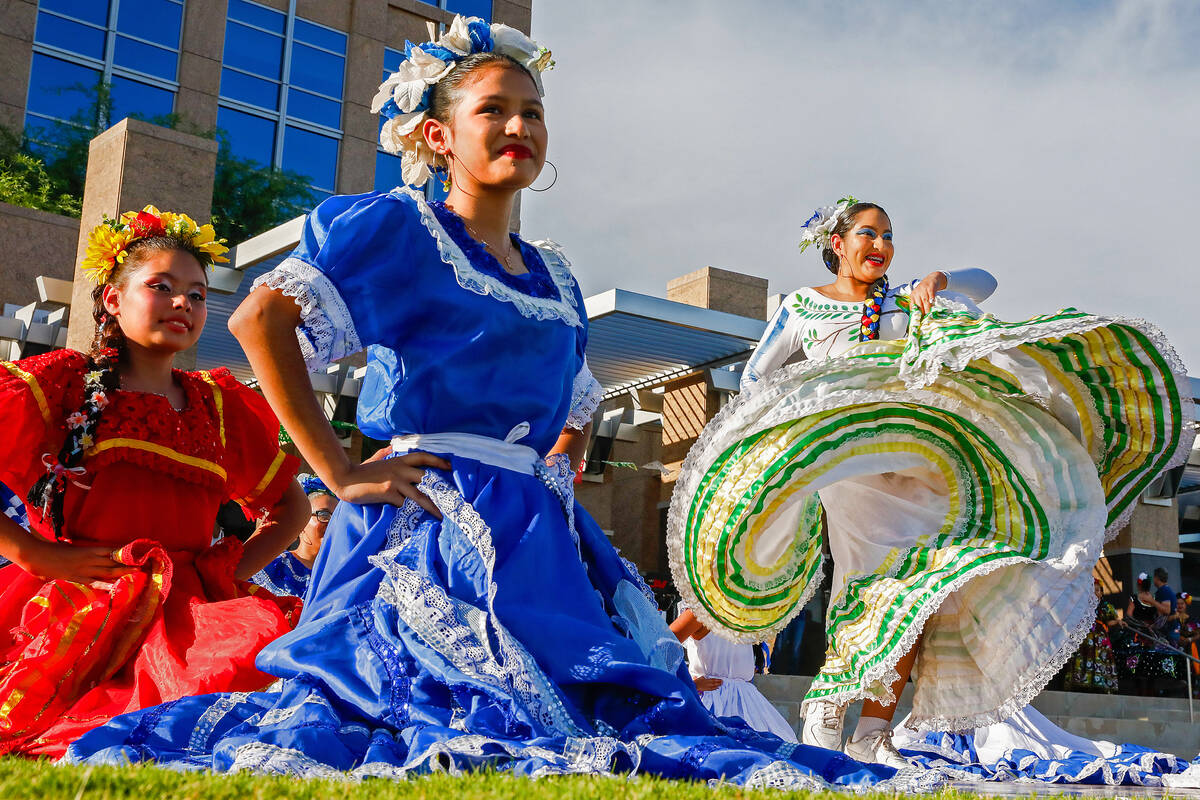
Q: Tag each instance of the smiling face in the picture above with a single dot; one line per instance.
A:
(161, 302)
(496, 136)
(866, 249)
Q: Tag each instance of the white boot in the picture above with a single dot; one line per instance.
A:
(876, 748)
(823, 725)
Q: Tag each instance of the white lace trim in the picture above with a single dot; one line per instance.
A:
(586, 393)
(326, 331)
(463, 634)
(471, 279)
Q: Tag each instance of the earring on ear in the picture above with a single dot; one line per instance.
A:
(448, 181)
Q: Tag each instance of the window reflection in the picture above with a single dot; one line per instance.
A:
(73, 49)
(260, 93)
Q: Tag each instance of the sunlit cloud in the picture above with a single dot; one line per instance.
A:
(1052, 143)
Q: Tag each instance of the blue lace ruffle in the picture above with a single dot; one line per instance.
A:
(536, 283)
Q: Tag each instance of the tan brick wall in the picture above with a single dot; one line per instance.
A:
(1150, 528)
(34, 243)
(721, 290)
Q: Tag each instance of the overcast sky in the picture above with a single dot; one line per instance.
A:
(1051, 142)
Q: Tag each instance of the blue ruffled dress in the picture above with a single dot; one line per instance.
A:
(285, 575)
(507, 635)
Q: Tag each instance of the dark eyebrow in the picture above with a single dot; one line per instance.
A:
(154, 275)
(493, 98)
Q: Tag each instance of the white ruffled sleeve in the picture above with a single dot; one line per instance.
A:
(586, 393)
(326, 332)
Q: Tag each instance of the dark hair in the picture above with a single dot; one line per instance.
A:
(843, 227)
(446, 93)
(1161, 574)
(104, 357)
(1143, 584)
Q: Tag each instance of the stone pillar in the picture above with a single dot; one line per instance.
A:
(721, 290)
(200, 57)
(130, 165)
(17, 21)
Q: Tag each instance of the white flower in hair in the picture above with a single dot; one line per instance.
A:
(819, 228)
(458, 37)
(520, 48)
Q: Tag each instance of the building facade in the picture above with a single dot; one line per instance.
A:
(288, 83)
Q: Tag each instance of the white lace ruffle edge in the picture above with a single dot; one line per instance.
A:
(586, 393)
(471, 279)
(326, 331)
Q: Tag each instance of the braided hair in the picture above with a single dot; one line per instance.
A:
(100, 380)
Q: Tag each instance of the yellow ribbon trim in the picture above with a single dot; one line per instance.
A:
(158, 449)
(31, 381)
(218, 400)
(272, 471)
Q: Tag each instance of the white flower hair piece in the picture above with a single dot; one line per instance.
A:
(820, 226)
(404, 96)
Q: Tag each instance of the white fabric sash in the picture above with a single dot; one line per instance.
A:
(506, 454)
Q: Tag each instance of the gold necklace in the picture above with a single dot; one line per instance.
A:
(505, 259)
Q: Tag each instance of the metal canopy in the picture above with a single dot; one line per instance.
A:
(635, 340)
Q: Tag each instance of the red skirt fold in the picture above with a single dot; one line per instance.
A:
(74, 655)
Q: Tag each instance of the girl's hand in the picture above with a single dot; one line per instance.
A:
(707, 684)
(61, 561)
(392, 480)
(924, 292)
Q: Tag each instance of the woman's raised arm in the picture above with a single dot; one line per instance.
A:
(265, 326)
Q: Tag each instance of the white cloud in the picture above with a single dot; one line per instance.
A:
(1052, 143)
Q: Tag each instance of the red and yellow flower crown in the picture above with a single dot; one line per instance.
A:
(109, 242)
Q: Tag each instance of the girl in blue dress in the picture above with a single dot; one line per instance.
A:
(463, 612)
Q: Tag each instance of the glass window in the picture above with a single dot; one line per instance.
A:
(147, 58)
(317, 70)
(249, 89)
(45, 135)
(153, 20)
(253, 51)
(73, 36)
(267, 18)
(59, 88)
(311, 154)
(470, 8)
(134, 97)
(249, 136)
(391, 60)
(94, 11)
(328, 38)
(311, 108)
(387, 171)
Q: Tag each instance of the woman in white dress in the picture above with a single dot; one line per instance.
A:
(723, 671)
(967, 471)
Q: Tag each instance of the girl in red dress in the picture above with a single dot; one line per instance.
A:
(117, 599)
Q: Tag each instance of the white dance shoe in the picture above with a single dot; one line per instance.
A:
(823, 725)
(876, 748)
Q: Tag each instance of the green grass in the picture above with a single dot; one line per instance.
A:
(35, 780)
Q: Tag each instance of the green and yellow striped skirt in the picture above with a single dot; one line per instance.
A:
(967, 478)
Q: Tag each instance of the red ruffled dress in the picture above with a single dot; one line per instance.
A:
(73, 655)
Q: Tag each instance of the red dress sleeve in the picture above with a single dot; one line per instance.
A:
(34, 395)
(258, 470)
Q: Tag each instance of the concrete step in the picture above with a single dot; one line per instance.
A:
(1181, 739)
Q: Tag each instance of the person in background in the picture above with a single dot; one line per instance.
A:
(722, 671)
(288, 574)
